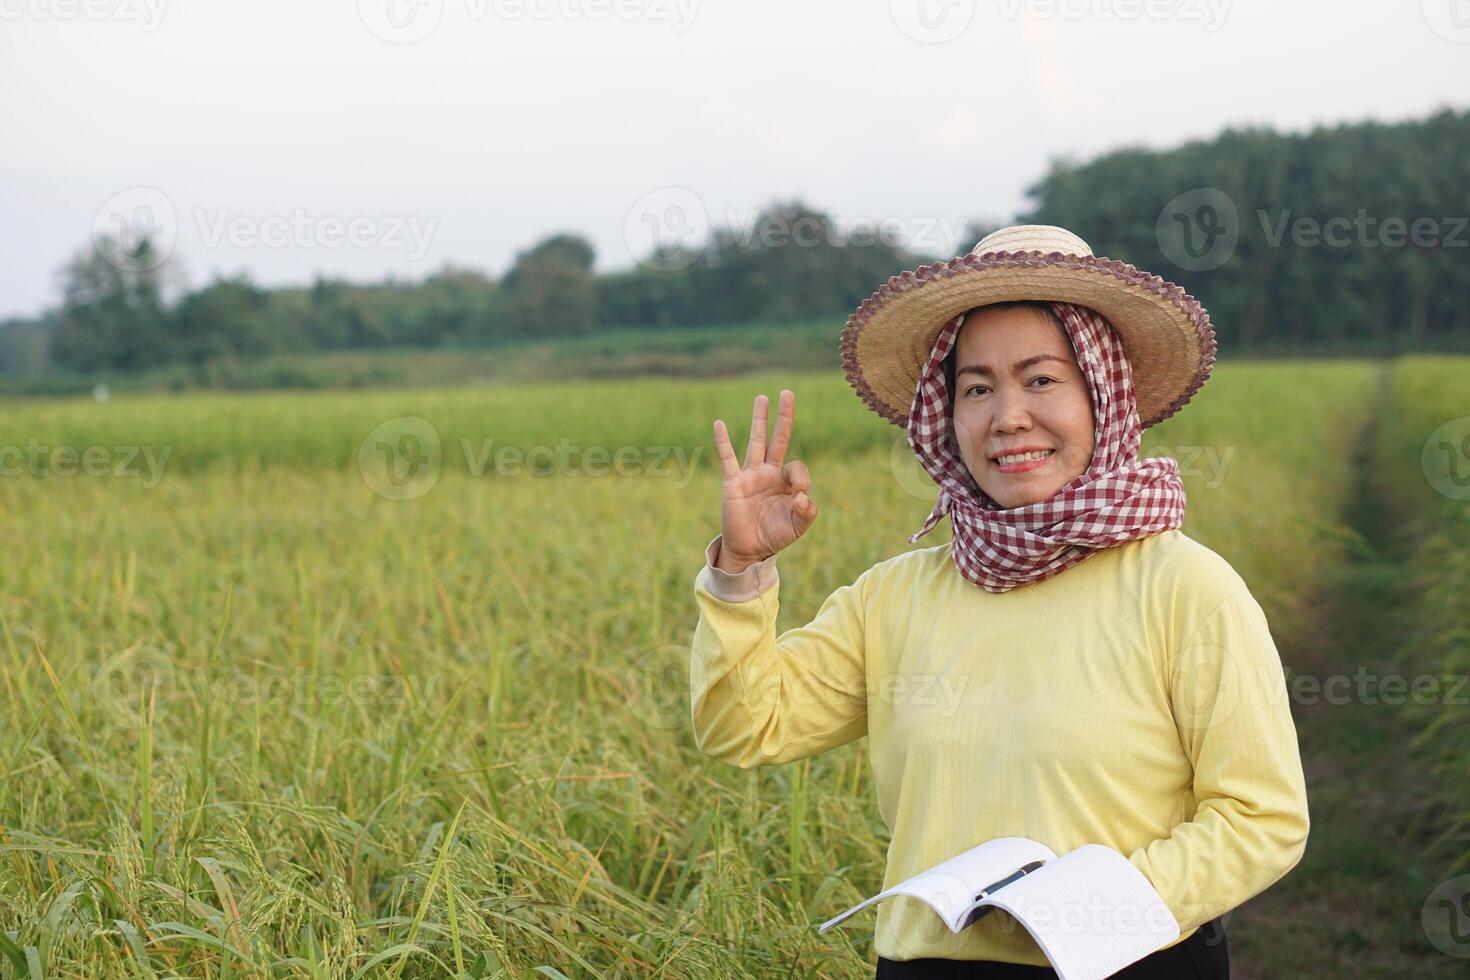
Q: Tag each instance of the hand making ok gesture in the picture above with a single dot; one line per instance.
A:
(765, 505)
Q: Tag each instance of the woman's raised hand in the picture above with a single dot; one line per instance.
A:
(765, 504)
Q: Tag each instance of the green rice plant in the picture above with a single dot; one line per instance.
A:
(266, 718)
(1423, 454)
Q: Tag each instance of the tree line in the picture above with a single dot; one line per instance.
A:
(1345, 236)
(115, 315)
(1350, 235)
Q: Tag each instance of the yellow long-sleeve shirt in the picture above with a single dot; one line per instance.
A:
(1135, 700)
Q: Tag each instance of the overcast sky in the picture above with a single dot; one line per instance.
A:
(289, 137)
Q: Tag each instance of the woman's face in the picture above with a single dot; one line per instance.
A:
(1018, 387)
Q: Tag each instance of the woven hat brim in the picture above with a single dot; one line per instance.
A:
(1165, 332)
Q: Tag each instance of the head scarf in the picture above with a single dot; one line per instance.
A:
(1119, 498)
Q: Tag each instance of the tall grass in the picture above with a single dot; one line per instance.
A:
(265, 721)
(1424, 456)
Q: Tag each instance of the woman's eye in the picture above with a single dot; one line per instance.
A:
(974, 388)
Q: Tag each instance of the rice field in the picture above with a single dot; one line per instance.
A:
(1424, 451)
(394, 683)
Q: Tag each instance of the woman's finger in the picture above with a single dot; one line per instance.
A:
(785, 416)
(755, 450)
(797, 477)
(729, 465)
(803, 512)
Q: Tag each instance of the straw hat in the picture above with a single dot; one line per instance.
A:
(1164, 330)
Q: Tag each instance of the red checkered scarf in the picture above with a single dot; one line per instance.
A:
(1119, 498)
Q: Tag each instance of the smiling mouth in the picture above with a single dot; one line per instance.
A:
(1013, 459)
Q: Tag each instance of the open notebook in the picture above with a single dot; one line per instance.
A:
(1090, 910)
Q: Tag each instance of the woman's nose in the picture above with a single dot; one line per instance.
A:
(1010, 412)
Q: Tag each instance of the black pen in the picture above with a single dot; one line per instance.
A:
(1021, 872)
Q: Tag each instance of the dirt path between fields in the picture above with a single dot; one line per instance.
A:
(1353, 906)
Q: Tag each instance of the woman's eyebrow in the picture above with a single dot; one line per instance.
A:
(1017, 368)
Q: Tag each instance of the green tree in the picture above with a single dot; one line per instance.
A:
(112, 312)
(229, 318)
(550, 290)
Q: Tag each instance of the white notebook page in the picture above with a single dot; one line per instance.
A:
(950, 886)
(1092, 912)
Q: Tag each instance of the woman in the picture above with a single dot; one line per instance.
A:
(1136, 701)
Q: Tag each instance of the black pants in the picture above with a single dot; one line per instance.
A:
(1204, 955)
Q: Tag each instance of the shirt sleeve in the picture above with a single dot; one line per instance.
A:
(759, 699)
(1228, 696)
